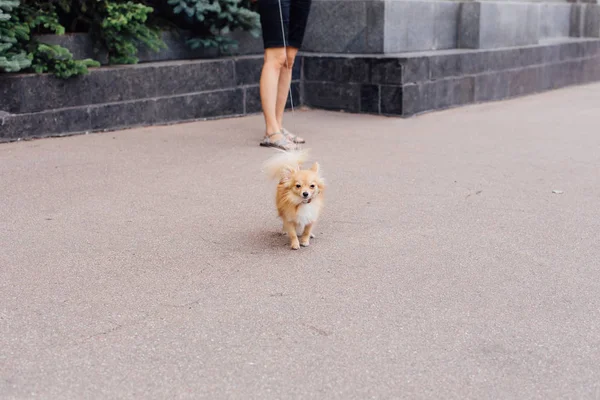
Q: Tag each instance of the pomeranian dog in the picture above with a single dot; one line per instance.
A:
(299, 195)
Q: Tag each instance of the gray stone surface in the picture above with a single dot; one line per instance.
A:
(81, 46)
(248, 70)
(339, 26)
(375, 26)
(201, 105)
(415, 69)
(492, 24)
(427, 81)
(463, 91)
(378, 26)
(591, 26)
(387, 71)
(333, 96)
(118, 83)
(370, 99)
(445, 24)
(252, 101)
(409, 26)
(391, 85)
(147, 263)
(420, 25)
(48, 123)
(444, 66)
(491, 86)
(525, 81)
(555, 20)
(126, 114)
(337, 69)
(577, 20)
(247, 44)
(192, 76)
(11, 87)
(391, 100)
(469, 25)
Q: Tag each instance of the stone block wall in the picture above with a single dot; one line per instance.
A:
(133, 95)
(491, 25)
(411, 84)
(397, 26)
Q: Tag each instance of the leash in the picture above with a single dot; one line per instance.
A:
(285, 50)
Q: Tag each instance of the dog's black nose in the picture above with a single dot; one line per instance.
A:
(305, 194)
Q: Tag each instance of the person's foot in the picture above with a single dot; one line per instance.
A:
(293, 138)
(278, 140)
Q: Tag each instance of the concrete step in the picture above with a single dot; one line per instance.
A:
(413, 83)
(162, 110)
(34, 93)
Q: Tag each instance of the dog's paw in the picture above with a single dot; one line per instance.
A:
(295, 245)
(305, 243)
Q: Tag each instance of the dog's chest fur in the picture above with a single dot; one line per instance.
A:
(307, 213)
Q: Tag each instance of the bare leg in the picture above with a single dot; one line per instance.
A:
(283, 90)
(274, 62)
(283, 87)
(290, 228)
(306, 235)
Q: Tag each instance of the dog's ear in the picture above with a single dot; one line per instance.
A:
(321, 184)
(315, 167)
(286, 173)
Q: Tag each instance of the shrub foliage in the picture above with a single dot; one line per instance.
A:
(118, 27)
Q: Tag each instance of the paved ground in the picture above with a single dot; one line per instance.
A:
(146, 263)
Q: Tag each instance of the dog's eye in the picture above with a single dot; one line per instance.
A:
(312, 186)
(298, 186)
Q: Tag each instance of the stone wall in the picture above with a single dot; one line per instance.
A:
(132, 95)
(394, 26)
(415, 83)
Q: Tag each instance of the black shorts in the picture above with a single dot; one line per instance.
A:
(295, 16)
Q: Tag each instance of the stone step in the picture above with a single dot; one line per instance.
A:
(402, 84)
(413, 83)
(34, 93)
(139, 112)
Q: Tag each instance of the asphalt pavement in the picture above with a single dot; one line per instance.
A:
(458, 257)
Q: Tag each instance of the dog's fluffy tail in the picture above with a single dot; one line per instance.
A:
(278, 165)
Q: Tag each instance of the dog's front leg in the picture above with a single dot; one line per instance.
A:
(290, 228)
(306, 235)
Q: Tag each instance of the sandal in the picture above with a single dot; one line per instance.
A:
(284, 143)
(292, 137)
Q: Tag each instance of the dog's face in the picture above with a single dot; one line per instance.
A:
(304, 185)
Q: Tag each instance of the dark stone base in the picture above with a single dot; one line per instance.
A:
(414, 83)
(127, 96)
(400, 85)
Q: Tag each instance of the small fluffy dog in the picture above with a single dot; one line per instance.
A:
(299, 196)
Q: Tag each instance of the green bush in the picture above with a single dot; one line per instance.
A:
(59, 61)
(13, 57)
(19, 51)
(118, 27)
(210, 20)
(124, 28)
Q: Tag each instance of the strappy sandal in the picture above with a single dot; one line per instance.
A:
(284, 143)
(292, 137)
